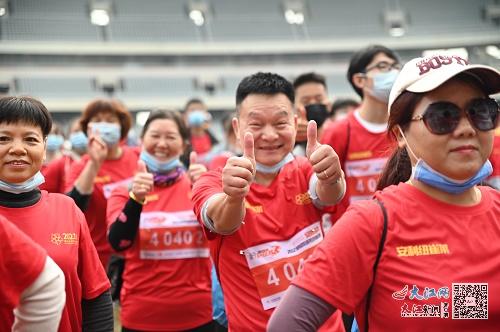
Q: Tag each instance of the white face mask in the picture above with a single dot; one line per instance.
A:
(24, 187)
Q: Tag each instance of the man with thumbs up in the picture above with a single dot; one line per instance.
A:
(261, 212)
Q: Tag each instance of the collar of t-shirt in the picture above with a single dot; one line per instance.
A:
(375, 128)
(19, 200)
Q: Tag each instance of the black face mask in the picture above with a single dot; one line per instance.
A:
(317, 112)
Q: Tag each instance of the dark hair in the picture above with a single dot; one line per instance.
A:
(398, 167)
(193, 101)
(343, 103)
(362, 58)
(171, 115)
(107, 106)
(309, 78)
(266, 84)
(25, 110)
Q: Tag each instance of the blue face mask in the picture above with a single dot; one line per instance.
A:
(196, 118)
(54, 142)
(275, 168)
(426, 174)
(382, 85)
(156, 166)
(109, 132)
(78, 141)
(19, 188)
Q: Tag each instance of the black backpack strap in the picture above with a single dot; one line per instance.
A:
(379, 253)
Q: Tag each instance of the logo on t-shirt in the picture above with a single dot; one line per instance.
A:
(303, 199)
(254, 208)
(102, 179)
(64, 238)
(360, 155)
(423, 250)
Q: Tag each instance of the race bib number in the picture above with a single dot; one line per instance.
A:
(171, 235)
(362, 177)
(108, 188)
(274, 264)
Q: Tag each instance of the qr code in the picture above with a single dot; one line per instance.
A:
(470, 301)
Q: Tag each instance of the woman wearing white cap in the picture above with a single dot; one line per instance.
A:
(422, 256)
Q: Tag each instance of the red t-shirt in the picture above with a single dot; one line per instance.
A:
(256, 263)
(55, 173)
(166, 282)
(494, 179)
(363, 155)
(201, 143)
(58, 225)
(113, 173)
(220, 160)
(432, 251)
(21, 262)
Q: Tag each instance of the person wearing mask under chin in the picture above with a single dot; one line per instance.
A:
(166, 281)
(261, 212)
(201, 139)
(423, 254)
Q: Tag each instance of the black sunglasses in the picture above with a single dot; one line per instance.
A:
(443, 117)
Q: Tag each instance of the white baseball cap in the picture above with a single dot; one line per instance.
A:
(426, 74)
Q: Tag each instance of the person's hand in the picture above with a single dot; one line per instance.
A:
(238, 174)
(195, 170)
(323, 158)
(142, 184)
(97, 149)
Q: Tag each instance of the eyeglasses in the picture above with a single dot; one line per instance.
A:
(443, 117)
(384, 66)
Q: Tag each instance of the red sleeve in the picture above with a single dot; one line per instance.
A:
(74, 171)
(335, 135)
(207, 185)
(21, 262)
(340, 270)
(54, 176)
(116, 203)
(90, 270)
(219, 161)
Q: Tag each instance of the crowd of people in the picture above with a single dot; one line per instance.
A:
(308, 213)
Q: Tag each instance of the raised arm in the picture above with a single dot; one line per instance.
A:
(227, 210)
(330, 187)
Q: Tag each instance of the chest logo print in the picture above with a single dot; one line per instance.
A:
(64, 238)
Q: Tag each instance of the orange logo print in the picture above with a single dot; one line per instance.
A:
(423, 250)
(254, 208)
(102, 179)
(56, 238)
(303, 199)
(64, 238)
